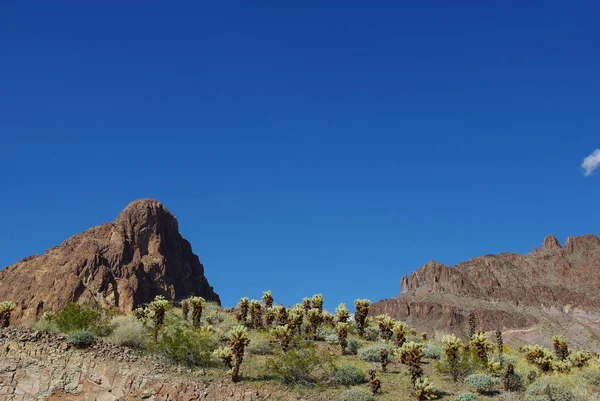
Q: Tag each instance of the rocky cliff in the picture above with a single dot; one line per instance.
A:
(121, 264)
(505, 290)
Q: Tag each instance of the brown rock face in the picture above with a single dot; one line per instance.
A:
(502, 290)
(121, 264)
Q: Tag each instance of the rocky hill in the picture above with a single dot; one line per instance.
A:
(506, 290)
(121, 264)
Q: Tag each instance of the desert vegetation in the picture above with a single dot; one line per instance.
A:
(305, 349)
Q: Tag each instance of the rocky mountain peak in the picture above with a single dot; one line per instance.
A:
(551, 243)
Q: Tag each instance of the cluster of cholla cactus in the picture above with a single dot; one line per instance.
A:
(255, 314)
(410, 355)
(362, 307)
(580, 359)
(156, 312)
(561, 349)
(342, 314)
(270, 315)
(386, 326)
(452, 346)
(400, 329)
(317, 302)
(424, 390)
(295, 318)
(314, 320)
(281, 315)
(197, 305)
(6, 308)
(341, 330)
(540, 357)
(283, 335)
(238, 341)
(244, 307)
(481, 346)
(267, 299)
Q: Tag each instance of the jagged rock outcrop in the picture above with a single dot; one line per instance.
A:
(121, 264)
(502, 289)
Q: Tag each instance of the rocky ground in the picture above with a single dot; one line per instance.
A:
(37, 365)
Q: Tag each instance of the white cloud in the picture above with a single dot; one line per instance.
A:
(591, 163)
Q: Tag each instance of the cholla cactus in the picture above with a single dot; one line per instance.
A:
(399, 330)
(384, 356)
(342, 314)
(282, 315)
(493, 367)
(410, 355)
(386, 326)
(197, 304)
(185, 309)
(424, 390)
(226, 355)
(267, 298)
(270, 316)
(562, 366)
(452, 347)
(362, 307)
(141, 314)
(471, 324)
(244, 306)
(481, 346)
(375, 385)
(306, 305)
(539, 356)
(156, 311)
(6, 308)
(49, 316)
(283, 335)
(314, 320)
(256, 314)
(510, 380)
(295, 318)
(328, 319)
(317, 302)
(581, 359)
(341, 330)
(561, 349)
(238, 341)
(500, 343)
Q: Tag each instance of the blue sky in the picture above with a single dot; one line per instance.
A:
(303, 146)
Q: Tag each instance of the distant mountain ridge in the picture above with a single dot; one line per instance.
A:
(504, 290)
(121, 264)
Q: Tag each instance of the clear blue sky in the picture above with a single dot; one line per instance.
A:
(304, 146)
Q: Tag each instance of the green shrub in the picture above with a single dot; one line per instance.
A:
(482, 383)
(81, 339)
(372, 334)
(431, 351)
(186, 347)
(355, 394)
(74, 317)
(259, 345)
(128, 333)
(352, 348)
(303, 366)
(348, 375)
(372, 353)
(467, 397)
(549, 389)
(324, 332)
(592, 377)
(332, 339)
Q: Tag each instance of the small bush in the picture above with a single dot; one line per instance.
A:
(372, 334)
(482, 383)
(128, 333)
(324, 332)
(431, 351)
(373, 353)
(592, 377)
(186, 347)
(81, 339)
(548, 388)
(332, 339)
(510, 396)
(348, 375)
(74, 317)
(467, 397)
(352, 348)
(45, 325)
(355, 394)
(303, 366)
